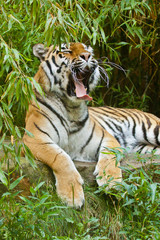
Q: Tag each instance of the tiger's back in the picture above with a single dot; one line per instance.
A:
(135, 130)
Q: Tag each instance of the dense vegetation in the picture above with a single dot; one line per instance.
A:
(124, 33)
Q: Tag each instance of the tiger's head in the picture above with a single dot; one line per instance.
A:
(70, 71)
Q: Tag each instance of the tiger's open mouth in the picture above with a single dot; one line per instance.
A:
(79, 83)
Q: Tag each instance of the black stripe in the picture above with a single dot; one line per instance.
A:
(91, 80)
(42, 130)
(80, 124)
(45, 143)
(55, 79)
(108, 125)
(108, 114)
(100, 117)
(121, 131)
(112, 111)
(148, 121)
(116, 126)
(100, 143)
(53, 59)
(144, 132)
(88, 140)
(155, 149)
(141, 148)
(50, 123)
(49, 66)
(59, 69)
(156, 132)
(120, 140)
(49, 54)
(48, 78)
(61, 119)
(114, 135)
(34, 106)
(129, 114)
(134, 128)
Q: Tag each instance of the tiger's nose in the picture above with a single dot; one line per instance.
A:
(85, 56)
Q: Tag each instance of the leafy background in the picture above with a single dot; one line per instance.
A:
(122, 32)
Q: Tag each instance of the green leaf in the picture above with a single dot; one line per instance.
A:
(3, 177)
(30, 204)
(16, 20)
(103, 34)
(6, 194)
(29, 156)
(80, 10)
(36, 85)
(60, 18)
(38, 186)
(6, 108)
(2, 138)
(153, 187)
(1, 123)
(122, 43)
(16, 54)
(94, 37)
(130, 30)
(129, 202)
(18, 132)
(28, 133)
(15, 183)
(69, 220)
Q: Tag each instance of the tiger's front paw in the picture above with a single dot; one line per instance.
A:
(69, 189)
(107, 176)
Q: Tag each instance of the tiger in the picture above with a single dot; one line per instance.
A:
(66, 129)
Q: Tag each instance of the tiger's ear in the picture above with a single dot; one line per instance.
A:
(40, 51)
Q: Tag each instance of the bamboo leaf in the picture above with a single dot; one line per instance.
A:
(39, 186)
(103, 34)
(15, 183)
(130, 30)
(16, 20)
(3, 177)
(153, 187)
(18, 132)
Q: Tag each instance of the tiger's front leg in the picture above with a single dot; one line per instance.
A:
(68, 180)
(106, 167)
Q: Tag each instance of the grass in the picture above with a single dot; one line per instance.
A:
(132, 211)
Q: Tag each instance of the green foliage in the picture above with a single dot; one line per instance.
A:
(135, 204)
(124, 31)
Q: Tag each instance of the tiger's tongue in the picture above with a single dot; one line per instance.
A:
(81, 92)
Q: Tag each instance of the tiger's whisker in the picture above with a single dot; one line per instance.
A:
(106, 79)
